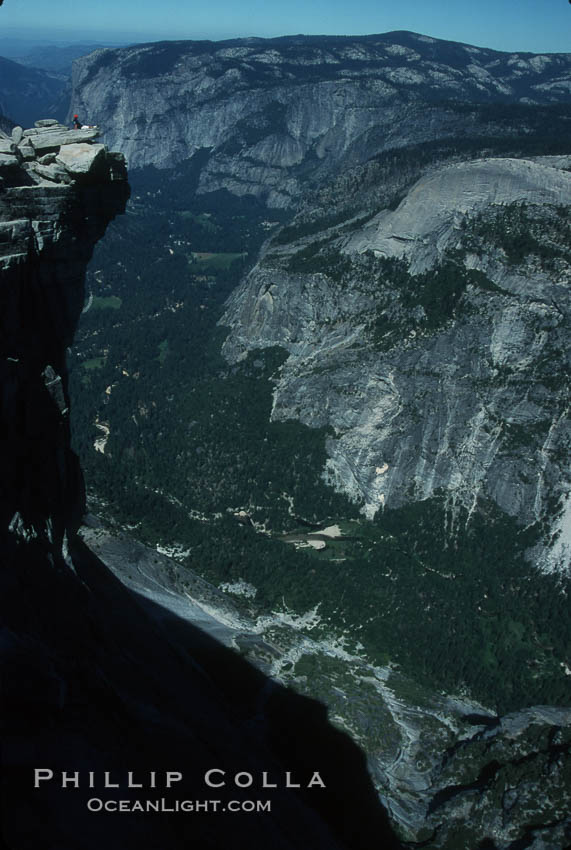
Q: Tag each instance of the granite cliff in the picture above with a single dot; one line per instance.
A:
(432, 338)
(57, 195)
(270, 116)
(94, 678)
(436, 354)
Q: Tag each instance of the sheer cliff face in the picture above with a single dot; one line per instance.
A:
(52, 212)
(94, 680)
(273, 113)
(432, 339)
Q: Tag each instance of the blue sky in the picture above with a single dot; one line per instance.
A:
(525, 25)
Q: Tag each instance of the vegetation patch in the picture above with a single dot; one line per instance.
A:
(209, 260)
(521, 230)
(94, 363)
(106, 302)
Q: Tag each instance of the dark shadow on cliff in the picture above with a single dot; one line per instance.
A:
(99, 679)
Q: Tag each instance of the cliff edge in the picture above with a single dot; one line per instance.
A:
(58, 192)
(109, 696)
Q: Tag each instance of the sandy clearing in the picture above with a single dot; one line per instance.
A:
(330, 531)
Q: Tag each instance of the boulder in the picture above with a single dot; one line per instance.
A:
(26, 150)
(81, 158)
(32, 175)
(55, 173)
(46, 122)
(17, 135)
(6, 146)
(8, 160)
(36, 131)
(49, 139)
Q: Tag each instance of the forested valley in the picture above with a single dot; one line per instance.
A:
(175, 443)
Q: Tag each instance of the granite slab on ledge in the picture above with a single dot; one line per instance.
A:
(50, 153)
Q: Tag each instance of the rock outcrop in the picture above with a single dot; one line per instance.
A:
(432, 384)
(427, 221)
(274, 114)
(51, 216)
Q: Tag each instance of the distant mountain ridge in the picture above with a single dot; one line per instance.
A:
(29, 93)
(275, 114)
(53, 58)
